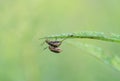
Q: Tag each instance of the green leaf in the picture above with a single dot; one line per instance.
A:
(97, 52)
(89, 35)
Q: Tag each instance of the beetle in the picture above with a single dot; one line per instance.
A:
(53, 43)
(55, 49)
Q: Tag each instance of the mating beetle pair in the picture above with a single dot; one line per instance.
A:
(53, 46)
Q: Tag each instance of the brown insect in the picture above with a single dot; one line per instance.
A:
(53, 43)
(55, 49)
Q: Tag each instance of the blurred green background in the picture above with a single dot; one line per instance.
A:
(23, 22)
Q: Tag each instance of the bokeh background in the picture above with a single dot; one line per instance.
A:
(23, 22)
